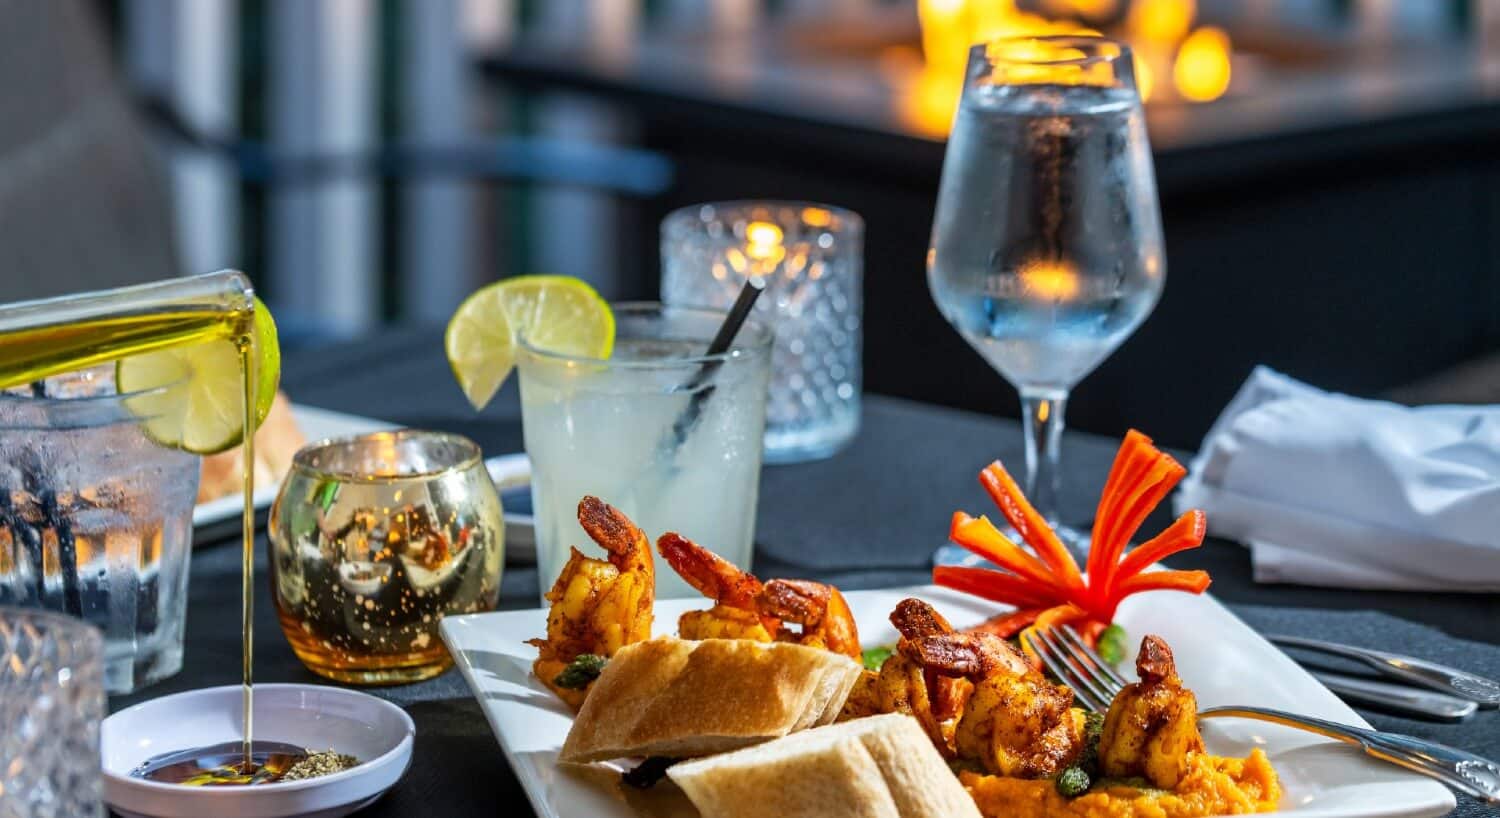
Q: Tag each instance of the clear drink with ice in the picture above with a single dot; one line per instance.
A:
(614, 429)
(96, 520)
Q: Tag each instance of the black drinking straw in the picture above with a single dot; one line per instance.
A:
(722, 340)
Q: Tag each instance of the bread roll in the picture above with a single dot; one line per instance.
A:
(681, 698)
(876, 767)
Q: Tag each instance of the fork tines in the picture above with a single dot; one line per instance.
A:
(1095, 684)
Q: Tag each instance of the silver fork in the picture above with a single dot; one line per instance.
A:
(1095, 684)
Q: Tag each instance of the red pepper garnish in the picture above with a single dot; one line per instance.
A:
(1045, 584)
(1008, 624)
(997, 586)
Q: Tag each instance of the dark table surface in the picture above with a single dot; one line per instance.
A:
(868, 517)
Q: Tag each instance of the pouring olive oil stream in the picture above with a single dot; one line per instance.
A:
(163, 334)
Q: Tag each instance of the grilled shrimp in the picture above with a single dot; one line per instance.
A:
(744, 608)
(1152, 724)
(1016, 723)
(735, 612)
(819, 610)
(915, 619)
(597, 606)
(903, 686)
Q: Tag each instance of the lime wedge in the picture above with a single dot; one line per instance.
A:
(200, 406)
(558, 313)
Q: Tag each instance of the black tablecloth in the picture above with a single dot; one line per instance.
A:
(869, 517)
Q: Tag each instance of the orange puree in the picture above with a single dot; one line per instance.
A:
(1214, 785)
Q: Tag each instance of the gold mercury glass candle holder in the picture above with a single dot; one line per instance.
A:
(374, 539)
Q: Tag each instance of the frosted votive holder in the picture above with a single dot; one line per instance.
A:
(51, 703)
(812, 259)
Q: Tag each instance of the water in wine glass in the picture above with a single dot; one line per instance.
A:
(1047, 243)
(1046, 246)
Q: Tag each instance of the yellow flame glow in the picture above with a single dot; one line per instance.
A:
(949, 27)
(1145, 81)
(763, 240)
(1037, 61)
(930, 102)
(928, 94)
(1094, 8)
(1201, 72)
(816, 217)
(763, 246)
(1084, 8)
(1161, 21)
(736, 259)
(1050, 279)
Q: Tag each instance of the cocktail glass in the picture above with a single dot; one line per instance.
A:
(666, 433)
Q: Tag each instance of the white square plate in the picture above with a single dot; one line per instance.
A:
(1218, 656)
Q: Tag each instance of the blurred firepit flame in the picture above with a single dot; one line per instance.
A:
(1193, 64)
(1201, 70)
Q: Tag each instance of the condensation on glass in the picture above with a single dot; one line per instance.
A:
(96, 520)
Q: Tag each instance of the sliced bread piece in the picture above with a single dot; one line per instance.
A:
(835, 691)
(875, 767)
(680, 698)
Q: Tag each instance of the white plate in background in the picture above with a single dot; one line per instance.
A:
(1218, 656)
(316, 424)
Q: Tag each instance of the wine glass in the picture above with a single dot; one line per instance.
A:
(1046, 246)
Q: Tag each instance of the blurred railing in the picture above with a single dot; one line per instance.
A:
(344, 152)
(339, 151)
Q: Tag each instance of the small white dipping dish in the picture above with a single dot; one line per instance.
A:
(373, 730)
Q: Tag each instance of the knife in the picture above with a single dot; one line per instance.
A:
(1412, 701)
(1442, 678)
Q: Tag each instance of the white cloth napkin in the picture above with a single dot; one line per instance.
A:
(1332, 490)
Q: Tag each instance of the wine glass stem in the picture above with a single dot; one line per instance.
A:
(1042, 414)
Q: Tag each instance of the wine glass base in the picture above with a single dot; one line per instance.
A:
(1076, 541)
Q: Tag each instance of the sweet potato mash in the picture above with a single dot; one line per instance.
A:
(1213, 785)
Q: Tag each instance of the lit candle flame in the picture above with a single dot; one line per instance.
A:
(763, 243)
